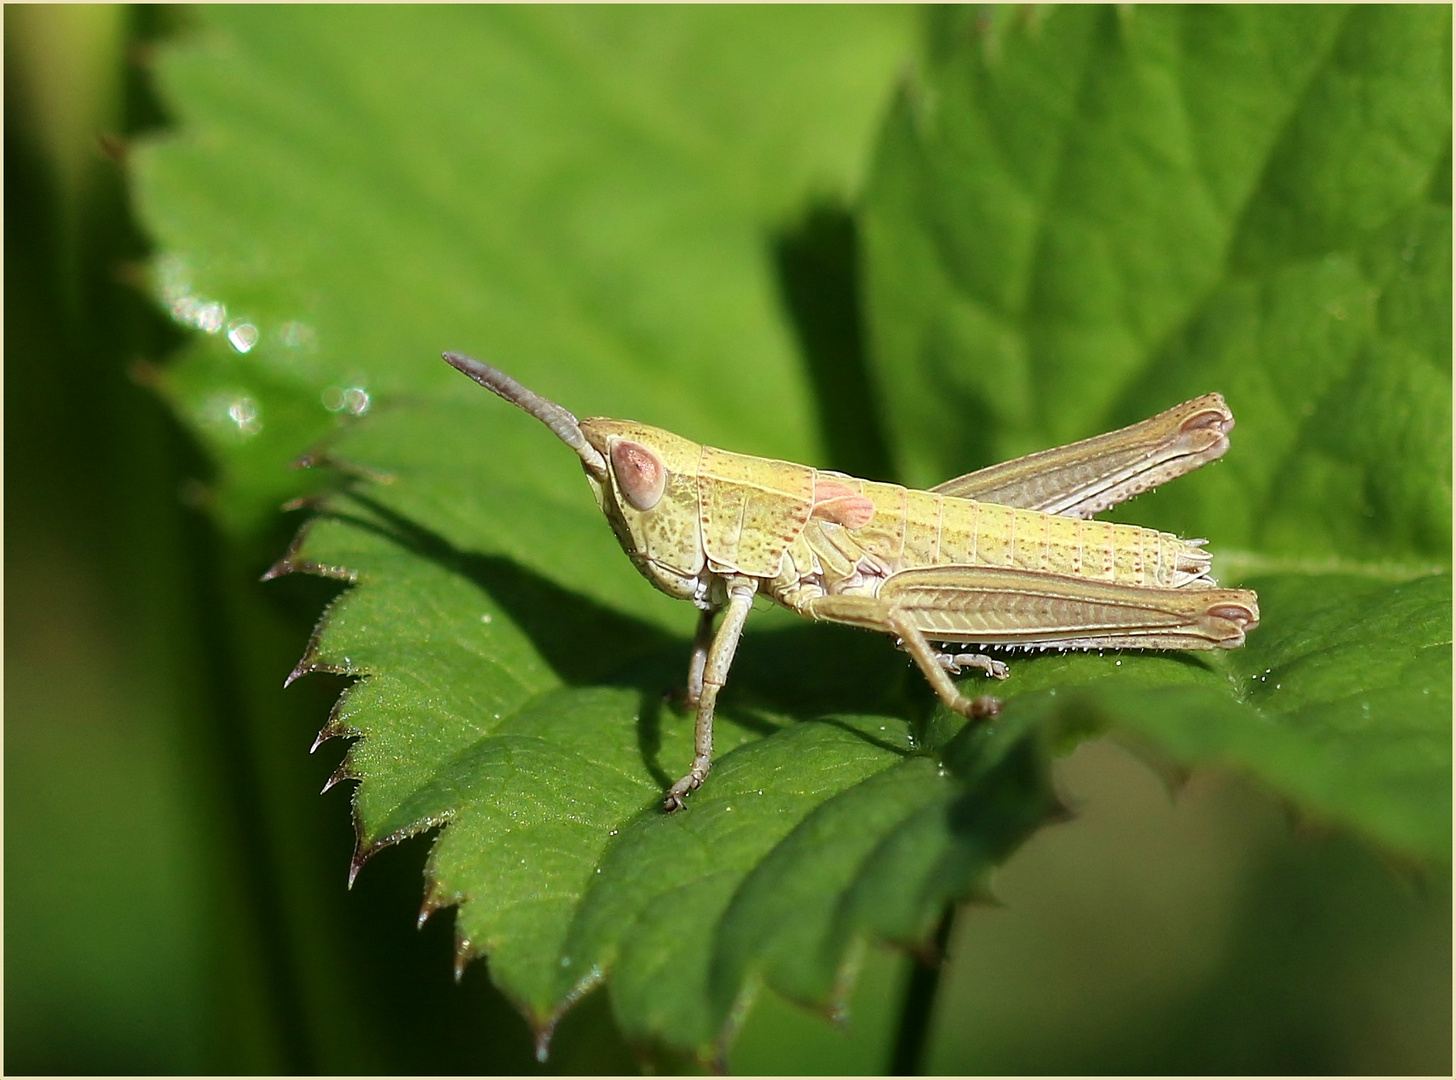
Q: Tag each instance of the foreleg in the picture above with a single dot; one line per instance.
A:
(717, 660)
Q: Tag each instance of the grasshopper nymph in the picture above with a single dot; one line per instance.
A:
(1003, 556)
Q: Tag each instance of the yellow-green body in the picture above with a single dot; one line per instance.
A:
(807, 533)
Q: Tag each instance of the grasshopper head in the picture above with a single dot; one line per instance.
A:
(645, 480)
(650, 496)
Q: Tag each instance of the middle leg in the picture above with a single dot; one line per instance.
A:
(931, 665)
(953, 662)
(702, 641)
(877, 613)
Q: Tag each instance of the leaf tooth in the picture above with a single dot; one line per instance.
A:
(543, 1034)
(980, 892)
(1416, 875)
(927, 952)
(845, 977)
(734, 1021)
(288, 562)
(355, 865)
(719, 1062)
(464, 953)
(362, 854)
(336, 728)
(340, 774)
(303, 667)
(364, 849)
(284, 565)
(1306, 826)
(1062, 812)
(545, 1027)
(308, 662)
(312, 661)
(322, 456)
(317, 501)
(434, 901)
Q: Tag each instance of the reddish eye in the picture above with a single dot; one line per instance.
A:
(640, 474)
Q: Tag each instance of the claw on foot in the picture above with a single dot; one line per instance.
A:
(982, 707)
(679, 792)
(677, 795)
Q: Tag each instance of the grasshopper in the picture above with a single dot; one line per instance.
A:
(1003, 556)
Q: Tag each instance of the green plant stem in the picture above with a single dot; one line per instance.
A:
(918, 1007)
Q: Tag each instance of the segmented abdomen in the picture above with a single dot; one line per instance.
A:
(918, 528)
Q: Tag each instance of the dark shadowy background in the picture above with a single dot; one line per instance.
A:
(174, 887)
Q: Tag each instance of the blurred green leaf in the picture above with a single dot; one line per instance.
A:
(1108, 212)
(585, 196)
(1078, 218)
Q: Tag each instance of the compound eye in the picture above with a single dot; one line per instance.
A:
(640, 474)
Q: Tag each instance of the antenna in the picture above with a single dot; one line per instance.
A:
(548, 412)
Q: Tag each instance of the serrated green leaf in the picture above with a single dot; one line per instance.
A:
(1075, 219)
